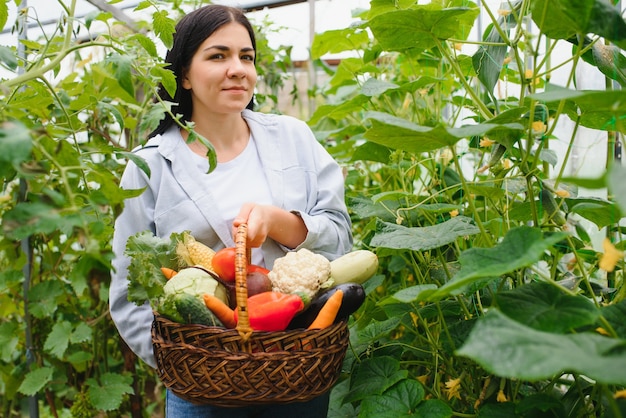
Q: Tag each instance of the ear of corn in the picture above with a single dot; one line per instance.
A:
(194, 253)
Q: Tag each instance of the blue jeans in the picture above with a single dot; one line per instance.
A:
(176, 407)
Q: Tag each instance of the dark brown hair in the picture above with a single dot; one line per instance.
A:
(193, 29)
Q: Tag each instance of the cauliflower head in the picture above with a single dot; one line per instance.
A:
(301, 272)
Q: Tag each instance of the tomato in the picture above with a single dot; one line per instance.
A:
(223, 263)
(253, 268)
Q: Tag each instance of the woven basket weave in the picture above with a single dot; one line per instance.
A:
(241, 367)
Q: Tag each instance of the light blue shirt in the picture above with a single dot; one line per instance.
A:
(302, 177)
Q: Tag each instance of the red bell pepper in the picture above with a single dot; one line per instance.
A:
(272, 311)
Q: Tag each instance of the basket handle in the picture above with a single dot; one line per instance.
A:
(242, 259)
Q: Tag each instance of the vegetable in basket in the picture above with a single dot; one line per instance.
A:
(354, 267)
(194, 253)
(267, 311)
(188, 309)
(183, 301)
(272, 311)
(327, 315)
(353, 298)
(301, 272)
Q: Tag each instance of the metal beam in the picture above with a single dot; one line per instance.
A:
(270, 4)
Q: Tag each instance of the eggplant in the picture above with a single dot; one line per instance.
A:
(353, 298)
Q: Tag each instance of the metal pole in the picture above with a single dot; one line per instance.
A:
(25, 244)
(310, 65)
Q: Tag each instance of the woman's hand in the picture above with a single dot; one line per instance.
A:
(284, 227)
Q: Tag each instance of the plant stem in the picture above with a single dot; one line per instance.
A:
(484, 110)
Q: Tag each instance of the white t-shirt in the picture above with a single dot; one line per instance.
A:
(238, 181)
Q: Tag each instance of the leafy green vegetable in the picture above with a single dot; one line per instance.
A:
(148, 254)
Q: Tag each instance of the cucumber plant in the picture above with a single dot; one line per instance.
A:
(492, 297)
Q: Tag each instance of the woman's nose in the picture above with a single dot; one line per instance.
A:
(236, 69)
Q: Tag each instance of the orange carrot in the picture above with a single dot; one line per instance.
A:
(222, 311)
(326, 316)
(168, 272)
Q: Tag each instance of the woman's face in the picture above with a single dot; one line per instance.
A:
(222, 75)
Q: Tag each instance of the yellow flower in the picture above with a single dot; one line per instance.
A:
(507, 164)
(538, 127)
(528, 74)
(453, 387)
(501, 396)
(454, 213)
(504, 12)
(562, 193)
(507, 60)
(611, 256)
(602, 331)
(620, 394)
(486, 142)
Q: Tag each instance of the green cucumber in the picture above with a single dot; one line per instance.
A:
(193, 311)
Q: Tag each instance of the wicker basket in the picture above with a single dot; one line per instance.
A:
(241, 367)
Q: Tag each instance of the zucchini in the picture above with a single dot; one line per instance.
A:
(353, 298)
(354, 267)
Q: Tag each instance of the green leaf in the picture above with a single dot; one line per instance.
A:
(587, 183)
(398, 401)
(59, 339)
(596, 109)
(27, 219)
(377, 330)
(539, 403)
(421, 27)
(509, 349)
(615, 315)
(168, 79)
(398, 133)
(82, 333)
(488, 59)
(122, 70)
(408, 295)
(43, 298)
(434, 408)
(339, 40)
(108, 395)
(7, 56)
(80, 360)
(394, 236)
(563, 19)
(544, 307)
(521, 247)
(36, 380)
(371, 152)
(146, 43)
(600, 213)
(9, 332)
(374, 87)
(15, 145)
(374, 376)
(4, 13)
(164, 27)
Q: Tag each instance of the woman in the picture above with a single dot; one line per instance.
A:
(271, 174)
